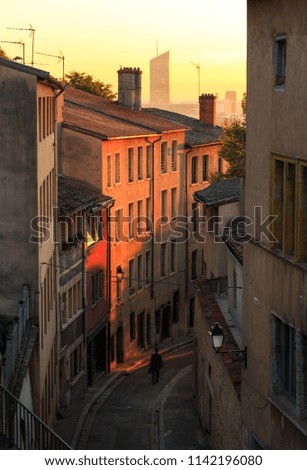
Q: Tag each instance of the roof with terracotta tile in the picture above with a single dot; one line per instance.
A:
(219, 192)
(129, 122)
(101, 125)
(75, 195)
(200, 133)
(212, 312)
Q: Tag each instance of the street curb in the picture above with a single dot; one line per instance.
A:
(86, 409)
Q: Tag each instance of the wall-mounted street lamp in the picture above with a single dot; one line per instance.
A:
(217, 339)
(119, 274)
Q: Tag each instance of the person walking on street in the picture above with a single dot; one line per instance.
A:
(155, 365)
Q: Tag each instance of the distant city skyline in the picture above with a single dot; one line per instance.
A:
(101, 37)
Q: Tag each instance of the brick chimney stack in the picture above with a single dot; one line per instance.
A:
(130, 87)
(207, 109)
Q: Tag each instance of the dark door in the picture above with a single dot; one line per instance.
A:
(141, 342)
(166, 322)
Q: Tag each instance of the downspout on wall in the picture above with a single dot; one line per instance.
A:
(109, 287)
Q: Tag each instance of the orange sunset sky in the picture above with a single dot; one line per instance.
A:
(99, 36)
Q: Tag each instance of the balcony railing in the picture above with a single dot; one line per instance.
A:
(23, 429)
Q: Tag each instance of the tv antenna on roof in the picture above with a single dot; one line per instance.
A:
(198, 69)
(23, 49)
(60, 57)
(32, 33)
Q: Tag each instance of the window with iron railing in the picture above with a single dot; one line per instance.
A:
(173, 202)
(194, 170)
(164, 216)
(117, 168)
(205, 167)
(109, 175)
(131, 277)
(164, 157)
(148, 161)
(130, 165)
(174, 156)
(140, 163)
(140, 272)
(131, 219)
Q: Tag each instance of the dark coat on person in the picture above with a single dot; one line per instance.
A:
(156, 361)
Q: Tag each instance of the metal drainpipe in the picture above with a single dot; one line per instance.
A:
(84, 290)
(108, 333)
(109, 256)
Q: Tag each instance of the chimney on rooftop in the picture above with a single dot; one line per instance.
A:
(130, 87)
(207, 109)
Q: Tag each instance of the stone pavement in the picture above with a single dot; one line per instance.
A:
(69, 428)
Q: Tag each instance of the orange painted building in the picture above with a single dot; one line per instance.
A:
(202, 144)
(138, 160)
(83, 287)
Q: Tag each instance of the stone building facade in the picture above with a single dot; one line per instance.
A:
(28, 118)
(274, 402)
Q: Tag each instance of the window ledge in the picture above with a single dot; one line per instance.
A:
(279, 87)
(97, 302)
(291, 412)
(279, 254)
(72, 319)
(76, 379)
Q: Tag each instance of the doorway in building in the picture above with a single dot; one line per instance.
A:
(141, 324)
(62, 380)
(99, 351)
(119, 345)
(166, 317)
(90, 372)
(192, 312)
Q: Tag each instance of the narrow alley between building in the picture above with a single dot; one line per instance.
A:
(139, 415)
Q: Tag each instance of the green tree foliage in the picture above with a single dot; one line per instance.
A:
(3, 53)
(233, 149)
(86, 82)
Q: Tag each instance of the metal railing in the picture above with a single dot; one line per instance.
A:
(23, 429)
(14, 337)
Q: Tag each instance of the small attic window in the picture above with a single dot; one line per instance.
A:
(280, 61)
